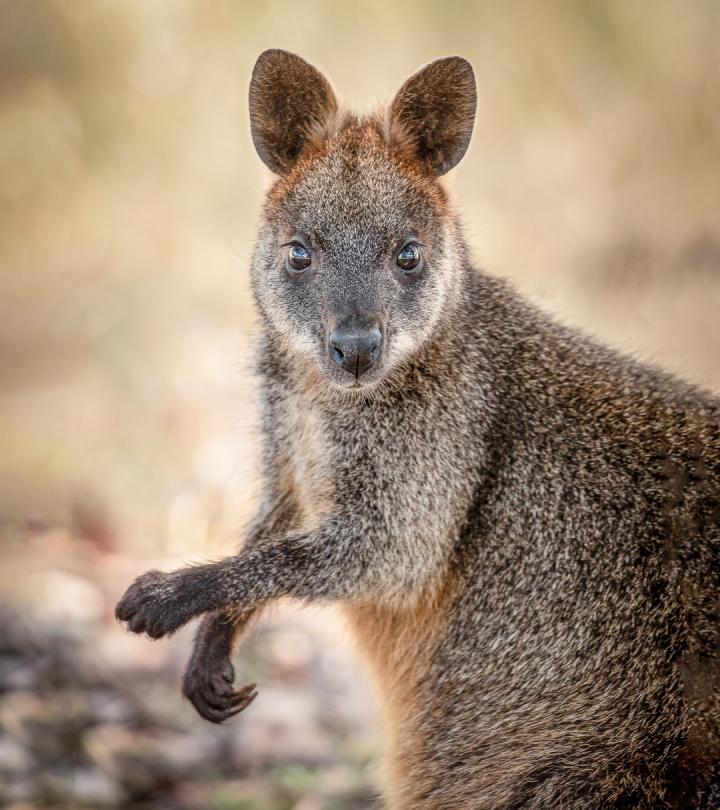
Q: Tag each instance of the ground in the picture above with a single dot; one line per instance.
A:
(91, 716)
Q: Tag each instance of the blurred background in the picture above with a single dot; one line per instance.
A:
(129, 195)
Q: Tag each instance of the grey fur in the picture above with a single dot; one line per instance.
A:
(523, 526)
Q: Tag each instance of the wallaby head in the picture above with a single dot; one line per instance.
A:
(357, 255)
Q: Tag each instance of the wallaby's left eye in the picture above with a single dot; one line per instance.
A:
(298, 257)
(409, 258)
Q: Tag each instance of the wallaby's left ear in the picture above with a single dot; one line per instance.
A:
(433, 113)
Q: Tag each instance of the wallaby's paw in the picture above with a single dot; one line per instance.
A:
(154, 604)
(208, 685)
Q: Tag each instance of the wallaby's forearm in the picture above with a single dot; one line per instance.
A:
(341, 560)
(219, 631)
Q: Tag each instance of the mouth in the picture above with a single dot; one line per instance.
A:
(344, 381)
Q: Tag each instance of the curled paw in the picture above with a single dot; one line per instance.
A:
(154, 604)
(208, 685)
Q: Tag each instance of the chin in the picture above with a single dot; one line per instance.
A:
(342, 381)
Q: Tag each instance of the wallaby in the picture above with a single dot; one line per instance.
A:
(523, 527)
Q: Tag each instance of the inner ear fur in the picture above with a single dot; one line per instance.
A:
(291, 105)
(433, 113)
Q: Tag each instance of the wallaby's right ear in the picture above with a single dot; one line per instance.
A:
(291, 104)
(433, 113)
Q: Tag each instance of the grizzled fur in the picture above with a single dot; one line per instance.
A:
(522, 527)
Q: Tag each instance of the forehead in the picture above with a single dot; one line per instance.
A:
(357, 186)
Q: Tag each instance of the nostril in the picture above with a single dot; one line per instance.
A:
(374, 352)
(337, 355)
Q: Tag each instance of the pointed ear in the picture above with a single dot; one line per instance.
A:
(291, 104)
(433, 113)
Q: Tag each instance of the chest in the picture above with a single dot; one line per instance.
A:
(308, 452)
(375, 457)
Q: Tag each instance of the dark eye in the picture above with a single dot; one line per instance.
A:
(409, 257)
(298, 258)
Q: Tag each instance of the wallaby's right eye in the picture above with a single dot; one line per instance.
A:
(298, 258)
(409, 257)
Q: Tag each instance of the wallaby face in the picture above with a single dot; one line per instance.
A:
(357, 253)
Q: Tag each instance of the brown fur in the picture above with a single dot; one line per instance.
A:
(398, 641)
(522, 527)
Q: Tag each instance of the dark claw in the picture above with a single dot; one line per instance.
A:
(247, 692)
(243, 704)
(218, 713)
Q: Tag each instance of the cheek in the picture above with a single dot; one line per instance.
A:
(417, 304)
(417, 312)
(294, 314)
(434, 299)
(402, 345)
(302, 344)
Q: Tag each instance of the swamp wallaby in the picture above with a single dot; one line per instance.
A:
(522, 526)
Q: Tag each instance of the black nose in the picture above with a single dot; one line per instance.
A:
(356, 344)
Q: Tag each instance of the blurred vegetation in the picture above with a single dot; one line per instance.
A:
(129, 194)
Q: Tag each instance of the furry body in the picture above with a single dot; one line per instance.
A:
(557, 644)
(522, 527)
